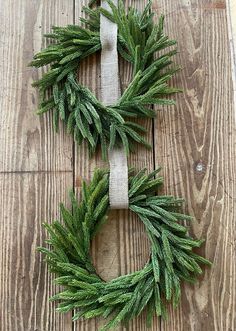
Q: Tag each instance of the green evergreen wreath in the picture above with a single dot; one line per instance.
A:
(121, 299)
(140, 41)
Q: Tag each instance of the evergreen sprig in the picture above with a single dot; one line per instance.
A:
(172, 259)
(140, 41)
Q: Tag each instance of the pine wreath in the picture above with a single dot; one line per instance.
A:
(171, 261)
(142, 43)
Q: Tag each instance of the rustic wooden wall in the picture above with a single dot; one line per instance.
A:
(194, 142)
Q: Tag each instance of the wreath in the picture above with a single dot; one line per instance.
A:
(139, 40)
(171, 259)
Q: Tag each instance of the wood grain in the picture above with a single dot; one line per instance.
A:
(231, 19)
(195, 143)
(35, 169)
(28, 142)
(25, 283)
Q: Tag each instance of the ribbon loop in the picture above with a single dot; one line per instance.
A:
(110, 93)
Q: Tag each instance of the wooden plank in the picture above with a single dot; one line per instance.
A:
(195, 143)
(26, 201)
(28, 142)
(122, 245)
(231, 18)
(35, 169)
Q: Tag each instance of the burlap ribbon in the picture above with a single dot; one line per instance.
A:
(110, 92)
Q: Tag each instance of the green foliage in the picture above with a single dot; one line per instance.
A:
(172, 259)
(140, 41)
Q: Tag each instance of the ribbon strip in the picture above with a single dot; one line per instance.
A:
(110, 93)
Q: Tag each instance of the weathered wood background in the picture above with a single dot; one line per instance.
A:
(194, 142)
